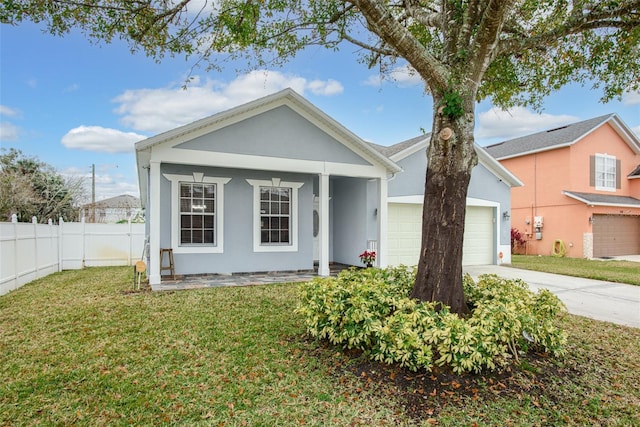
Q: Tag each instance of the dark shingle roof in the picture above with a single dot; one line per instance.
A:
(545, 140)
(635, 173)
(603, 199)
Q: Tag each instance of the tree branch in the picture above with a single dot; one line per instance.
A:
(485, 44)
(416, 11)
(398, 37)
(375, 49)
(577, 22)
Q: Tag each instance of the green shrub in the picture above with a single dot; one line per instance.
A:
(370, 310)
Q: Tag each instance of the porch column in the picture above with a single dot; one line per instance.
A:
(323, 212)
(382, 222)
(154, 222)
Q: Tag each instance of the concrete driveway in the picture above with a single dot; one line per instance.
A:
(607, 301)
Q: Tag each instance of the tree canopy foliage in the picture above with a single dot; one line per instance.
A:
(31, 188)
(513, 52)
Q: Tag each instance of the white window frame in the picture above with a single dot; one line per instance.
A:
(602, 161)
(193, 211)
(197, 177)
(258, 246)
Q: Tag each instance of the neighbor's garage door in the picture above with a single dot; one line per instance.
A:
(616, 235)
(404, 235)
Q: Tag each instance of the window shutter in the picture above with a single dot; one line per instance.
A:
(592, 171)
(618, 175)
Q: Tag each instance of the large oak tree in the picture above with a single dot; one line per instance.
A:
(512, 51)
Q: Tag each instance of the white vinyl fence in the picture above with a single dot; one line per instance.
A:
(29, 251)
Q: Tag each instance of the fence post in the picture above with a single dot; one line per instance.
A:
(14, 221)
(34, 221)
(51, 242)
(60, 245)
(130, 242)
(84, 236)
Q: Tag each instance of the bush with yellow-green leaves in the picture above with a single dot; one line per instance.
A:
(370, 310)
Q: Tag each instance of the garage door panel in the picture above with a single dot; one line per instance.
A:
(478, 236)
(615, 235)
(405, 235)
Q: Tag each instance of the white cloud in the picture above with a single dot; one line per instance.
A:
(373, 80)
(97, 138)
(404, 76)
(518, 121)
(631, 98)
(158, 110)
(325, 88)
(109, 182)
(8, 131)
(8, 111)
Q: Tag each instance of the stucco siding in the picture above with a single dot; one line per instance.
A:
(350, 219)
(280, 132)
(411, 180)
(547, 174)
(238, 254)
(485, 185)
(604, 140)
(544, 175)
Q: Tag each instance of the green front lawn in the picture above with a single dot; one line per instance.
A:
(609, 270)
(79, 348)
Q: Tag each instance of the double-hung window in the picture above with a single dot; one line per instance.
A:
(605, 172)
(197, 209)
(197, 213)
(275, 215)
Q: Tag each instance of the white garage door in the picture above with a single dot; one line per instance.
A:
(404, 235)
(478, 236)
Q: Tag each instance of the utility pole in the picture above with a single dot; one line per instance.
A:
(93, 192)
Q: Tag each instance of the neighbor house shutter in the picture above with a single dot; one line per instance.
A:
(618, 175)
(592, 171)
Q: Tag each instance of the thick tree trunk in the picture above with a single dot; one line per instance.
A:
(451, 157)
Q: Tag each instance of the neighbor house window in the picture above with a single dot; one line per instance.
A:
(275, 215)
(197, 213)
(197, 209)
(605, 172)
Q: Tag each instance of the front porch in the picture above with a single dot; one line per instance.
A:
(199, 281)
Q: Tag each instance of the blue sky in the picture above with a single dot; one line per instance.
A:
(72, 103)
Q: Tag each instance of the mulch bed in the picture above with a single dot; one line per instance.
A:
(423, 394)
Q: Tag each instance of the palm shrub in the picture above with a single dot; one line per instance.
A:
(370, 310)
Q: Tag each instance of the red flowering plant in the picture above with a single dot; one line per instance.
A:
(368, 257)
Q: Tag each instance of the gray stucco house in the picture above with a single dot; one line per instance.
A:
(277, 185)
(487, 236)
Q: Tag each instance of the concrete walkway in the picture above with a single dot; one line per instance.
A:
(600, 300)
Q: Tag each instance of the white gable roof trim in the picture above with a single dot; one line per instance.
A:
(484, 158)
(286, 97)
(488, 161)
